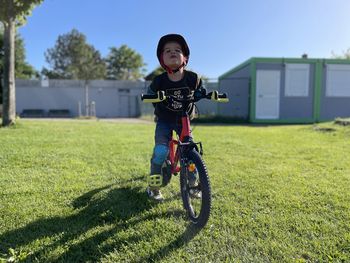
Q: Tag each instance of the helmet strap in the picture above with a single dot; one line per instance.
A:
(169, 70)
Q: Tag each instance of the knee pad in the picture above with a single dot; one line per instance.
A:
(160, 153)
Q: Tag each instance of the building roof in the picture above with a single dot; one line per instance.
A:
(283, 60)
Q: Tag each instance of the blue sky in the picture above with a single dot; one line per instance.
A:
(221, 34)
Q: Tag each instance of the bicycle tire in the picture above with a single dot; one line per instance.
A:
(201, 217)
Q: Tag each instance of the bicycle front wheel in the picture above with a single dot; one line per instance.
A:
(195, 189)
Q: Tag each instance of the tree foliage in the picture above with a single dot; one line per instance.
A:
(22, 69)
(124, 63)
(17, 10)
(73, 58)
(345, 55)
(154, 73)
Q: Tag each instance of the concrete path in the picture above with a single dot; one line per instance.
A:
(121, 120)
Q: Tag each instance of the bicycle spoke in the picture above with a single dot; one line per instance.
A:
(196, 194)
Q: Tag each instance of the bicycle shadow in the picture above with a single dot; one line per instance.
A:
(108, 208)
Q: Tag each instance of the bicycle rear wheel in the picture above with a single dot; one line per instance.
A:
(197, 207)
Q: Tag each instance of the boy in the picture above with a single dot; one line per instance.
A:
(173, 54)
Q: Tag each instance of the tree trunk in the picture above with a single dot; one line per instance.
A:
(9, 99)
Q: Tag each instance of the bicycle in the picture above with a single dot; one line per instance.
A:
(185, 157)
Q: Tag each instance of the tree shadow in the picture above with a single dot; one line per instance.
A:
(97, 208)
(109, 209)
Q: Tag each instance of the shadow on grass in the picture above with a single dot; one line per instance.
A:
(84, 235)
(178, 242)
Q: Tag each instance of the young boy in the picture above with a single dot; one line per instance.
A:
(173, 54)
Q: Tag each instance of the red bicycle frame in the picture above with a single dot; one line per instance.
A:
(176, 145)
(173, 145)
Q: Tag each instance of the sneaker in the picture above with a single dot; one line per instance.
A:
(154, 194)
(194, 192)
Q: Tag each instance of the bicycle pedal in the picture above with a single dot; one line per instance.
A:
(155, 180)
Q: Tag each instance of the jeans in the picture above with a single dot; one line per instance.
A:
(163, 135)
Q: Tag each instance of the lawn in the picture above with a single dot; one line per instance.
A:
(73, 191)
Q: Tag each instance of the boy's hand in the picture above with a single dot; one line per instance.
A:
(199, 94)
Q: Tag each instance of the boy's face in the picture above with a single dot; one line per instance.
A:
(173, 56)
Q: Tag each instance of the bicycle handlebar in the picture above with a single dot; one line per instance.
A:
(160, 96)
(216, 96)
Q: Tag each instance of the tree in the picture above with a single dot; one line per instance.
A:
(1, 59)
(22, 69)
(346, 55)
(73, 58)
(124, 63)
(12, 13)
(154, 73)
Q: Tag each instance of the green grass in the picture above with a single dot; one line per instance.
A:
(73, 191)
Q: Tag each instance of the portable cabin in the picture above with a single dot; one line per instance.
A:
(287, 90)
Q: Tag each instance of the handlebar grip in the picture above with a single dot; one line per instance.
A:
(153, 98)
(148, 97)
(222, 96)
(214, 95)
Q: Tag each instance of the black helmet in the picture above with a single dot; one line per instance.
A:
(172, 38)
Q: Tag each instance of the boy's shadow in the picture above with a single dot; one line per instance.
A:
(108, 208)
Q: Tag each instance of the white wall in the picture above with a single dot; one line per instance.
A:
(112, 98)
